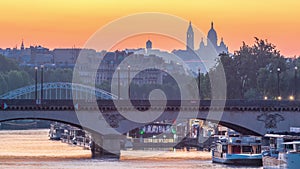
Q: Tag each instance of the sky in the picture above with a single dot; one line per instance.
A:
(69, 23)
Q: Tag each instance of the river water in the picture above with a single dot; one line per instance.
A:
(33, 149)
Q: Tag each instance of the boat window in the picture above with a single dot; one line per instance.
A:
(258, 149)
(236, 149)
(224, 148)
(247, 149)
(289, 147)
(297, 147)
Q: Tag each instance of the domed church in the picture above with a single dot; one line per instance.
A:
(212, 41)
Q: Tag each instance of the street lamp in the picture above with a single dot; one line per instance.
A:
(295, 83)
(278, 87)
(128, 81)
(199, 83)
(42, 81)
(36, 73)
(118, 83)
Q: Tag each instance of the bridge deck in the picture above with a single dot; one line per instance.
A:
(171, 105)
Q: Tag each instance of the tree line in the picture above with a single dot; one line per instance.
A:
(253, 72)
(12, 76)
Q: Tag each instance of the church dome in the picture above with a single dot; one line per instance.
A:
(222, 44)
(212, 35)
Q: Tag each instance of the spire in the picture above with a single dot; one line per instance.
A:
(190, 28)
(22, 45)
(222, 39)
(212, 25)
(201, 44)
(190, 37)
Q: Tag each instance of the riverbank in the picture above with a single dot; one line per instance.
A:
(34, 145)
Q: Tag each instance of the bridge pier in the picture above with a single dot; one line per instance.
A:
(106, 146)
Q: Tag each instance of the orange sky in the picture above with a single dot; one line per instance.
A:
(65, 23)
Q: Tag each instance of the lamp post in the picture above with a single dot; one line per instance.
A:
(278, 87)
(118, 83)
(42, 81)
(199, 83)
(295, 83)
(128, 81)
(36, 94)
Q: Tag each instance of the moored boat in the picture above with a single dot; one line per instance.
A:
(284, 153)
(241, 150)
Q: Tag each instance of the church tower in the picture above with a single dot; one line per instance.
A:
(190, 38)
(149, 45)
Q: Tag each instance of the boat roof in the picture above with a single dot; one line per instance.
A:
(284, 136)
(293, 142)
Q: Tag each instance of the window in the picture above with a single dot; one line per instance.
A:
(247, 149)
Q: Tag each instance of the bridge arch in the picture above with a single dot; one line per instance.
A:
(59, 91)
(240, 129)
(46, 119)
(64, 121)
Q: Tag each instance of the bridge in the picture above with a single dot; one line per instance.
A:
(59, 91)
(109, 116)
(256, 117)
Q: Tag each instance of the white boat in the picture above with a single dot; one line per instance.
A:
(287, 157)
(241, 150)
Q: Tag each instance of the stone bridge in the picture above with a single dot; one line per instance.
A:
(107, 120)
(256, 117)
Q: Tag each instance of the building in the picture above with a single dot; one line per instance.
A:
(212, 42)
(148, 45)
(190, 38)
(111, 63)
(40, 55)
(65, 57)
(205, 54)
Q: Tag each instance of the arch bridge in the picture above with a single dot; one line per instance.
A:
(256, 117)
(59, 91)
(69, 103)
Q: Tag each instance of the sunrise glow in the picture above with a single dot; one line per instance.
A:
(66, 23)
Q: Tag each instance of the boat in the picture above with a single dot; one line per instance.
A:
(284, 152)
(56, 131)
(239, 150)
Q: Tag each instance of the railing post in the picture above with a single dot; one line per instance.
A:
(42, 81)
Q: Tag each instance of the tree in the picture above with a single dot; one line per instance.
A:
(7, 64)
(16, 79)
(248, 70)
(3, 84)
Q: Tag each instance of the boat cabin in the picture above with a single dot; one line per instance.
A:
(292, 147)
(239, 145)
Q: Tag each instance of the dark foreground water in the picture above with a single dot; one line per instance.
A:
(32, 149)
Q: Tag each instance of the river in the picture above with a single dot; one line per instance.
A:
(33, 149)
